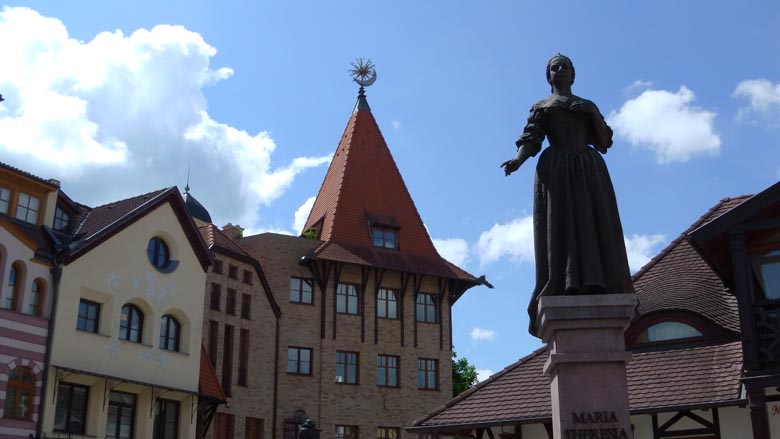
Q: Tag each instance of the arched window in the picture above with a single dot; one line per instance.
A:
(37, 296)
(19, 394)
(669, 330)
(131, 324)
(12, 298)
(170, 330)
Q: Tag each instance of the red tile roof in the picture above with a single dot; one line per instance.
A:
(679, 279)
(699, 376)
(208, 384)
(363, 186)
(103, 216)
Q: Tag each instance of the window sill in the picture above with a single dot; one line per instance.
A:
(84, 331)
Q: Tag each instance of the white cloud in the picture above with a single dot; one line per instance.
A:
(513, 240)
(119, 115)
(483, 374)
(396, 124)
(764, 97)
(479, 334)
(641, 248)
(668, 124)
(638, 85)
(302, 214)
(455, 250)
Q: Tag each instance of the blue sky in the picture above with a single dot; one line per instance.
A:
(118, 98)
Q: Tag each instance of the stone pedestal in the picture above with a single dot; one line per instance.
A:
(587, 363)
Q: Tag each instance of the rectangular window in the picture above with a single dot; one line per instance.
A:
(248, 277)
(215, 297)
(246, 306)
(5, 199)
(89, 316)
(243, 357)
(384, 237)
(227, 361)
(387, 303)
(346, 432)
(253, 428)
(213, 341)
(70, 416)
(217, 266)
(427, 377)
(346, 299)
(299, 361)
(166, 419)
(224, 426)
(426, 308)
(61, 219)
(346, 367)
(387, 432)
(121, 415)
(387, 371)
(232, 271)
(301, 290)
(27, 208)
(230, 302)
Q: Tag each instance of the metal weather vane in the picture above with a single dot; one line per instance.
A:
(363, 72)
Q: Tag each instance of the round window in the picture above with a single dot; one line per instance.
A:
(158, 253)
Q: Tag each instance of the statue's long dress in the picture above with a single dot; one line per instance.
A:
(578, 237)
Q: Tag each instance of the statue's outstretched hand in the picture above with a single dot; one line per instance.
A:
(511, 166)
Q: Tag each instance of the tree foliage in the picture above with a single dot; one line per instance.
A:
(464, 374)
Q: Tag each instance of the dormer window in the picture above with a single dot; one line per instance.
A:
(61, 219)
(766, 267)
(5, 199)
(27, 208)
(384, 237)
(666, 331)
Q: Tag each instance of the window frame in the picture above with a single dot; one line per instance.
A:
(243, 358)
(19, 385)
(213, 347)
(427, 308)
(122, 406)
(160, 417)
(5, 200)
(158, 252)
(228, 340)
(298, 361)
(300, 290)
(165, 333)
(247, 277)
(344, 299)
(347, 432)
(27, 209)
(218, 267)
(384, 237)
(126, 329)
(383, 370)
(37, 298)
(387, 301)
(215, 297)
(14, 286)
(90, 304)
(246, 306)
(61, 219)
(230, 301)
(232, 271)
(69, 407)
(387, 430)
(344, 361)
(426, 372)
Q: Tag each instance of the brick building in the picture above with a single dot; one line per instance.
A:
(364, 330)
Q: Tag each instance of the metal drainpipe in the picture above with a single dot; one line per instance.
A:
(56, 274)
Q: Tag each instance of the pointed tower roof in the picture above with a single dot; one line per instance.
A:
(363, 189)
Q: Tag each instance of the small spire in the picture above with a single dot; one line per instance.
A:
(187, 187)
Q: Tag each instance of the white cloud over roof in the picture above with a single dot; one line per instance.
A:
(129, 110)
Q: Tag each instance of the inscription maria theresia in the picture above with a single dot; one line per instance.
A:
(595, 425)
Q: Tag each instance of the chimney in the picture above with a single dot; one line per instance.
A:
(233, 231)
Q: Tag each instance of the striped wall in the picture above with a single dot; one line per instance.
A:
(22, 343)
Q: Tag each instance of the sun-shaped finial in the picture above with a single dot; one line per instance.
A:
(363, 72)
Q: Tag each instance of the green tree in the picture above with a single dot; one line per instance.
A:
(464, 374)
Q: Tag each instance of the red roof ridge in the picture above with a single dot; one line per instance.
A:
(466, 393)
(704, 218)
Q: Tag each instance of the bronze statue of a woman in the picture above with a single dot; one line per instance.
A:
(578, 237)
